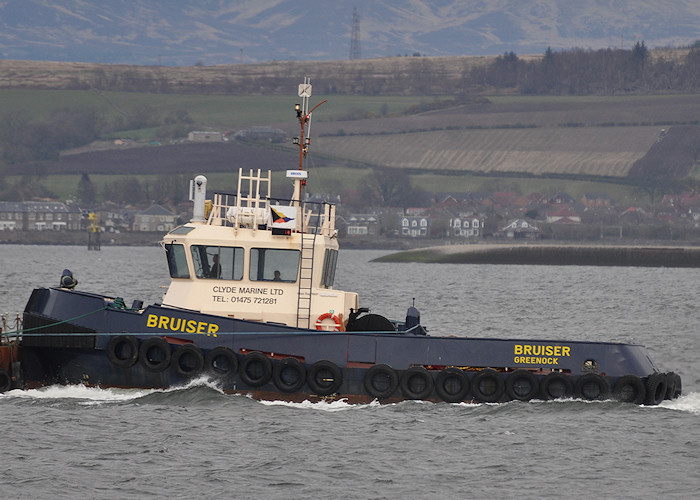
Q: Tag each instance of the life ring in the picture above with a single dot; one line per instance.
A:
(188, 360)
(221, 362)
(522, 385)
(289, 375)
(155, 354)
(123, 351)
(487, 385)
(629, 389)
(452, 385)
(556, 385)
(656, 389)
(381, 381)
(5, 381)
(336, 326)
(592, 387)
(255, 369)
(324, 378)
(416, 383)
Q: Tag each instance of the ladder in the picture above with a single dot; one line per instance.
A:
(306, 274)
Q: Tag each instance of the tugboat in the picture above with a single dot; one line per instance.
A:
(252, 306)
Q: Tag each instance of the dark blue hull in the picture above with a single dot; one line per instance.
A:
(76, 337)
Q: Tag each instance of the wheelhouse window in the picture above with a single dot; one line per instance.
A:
(177, 261)
(271, 264)
(219, 263)
(329, 263)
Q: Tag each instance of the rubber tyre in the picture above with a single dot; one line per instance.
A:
(155, 354)
(324, 378)
(221, 362)
(255, 369)
(556, 385)
(656, 389)
(289, 375)
(592, 387)
(488, 385)
(629, 389)
(452, 385)
(123, 351)
(187, 360)
(677, 386)
(381, 381)
(5, 381)
(416, 383)
(670, 385)
(522, 385)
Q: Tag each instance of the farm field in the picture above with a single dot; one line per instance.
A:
(591, 151)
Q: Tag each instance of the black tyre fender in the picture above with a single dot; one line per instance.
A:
(381, 381)
(221, 362)
(670, 385)
(289, 375)
(522, 385)
(677, 386)
(416, 383)
(556, 385)
(488, 385)
(187, 360)
(592, 387)
(629, 389)
(656, 389)
(452, 385)
(155, 354)
(255, 369)
(123, 351)
(324, 377)
(5, 381)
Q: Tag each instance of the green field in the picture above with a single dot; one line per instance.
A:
(210, 111)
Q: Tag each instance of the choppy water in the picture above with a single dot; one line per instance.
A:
(197, 442)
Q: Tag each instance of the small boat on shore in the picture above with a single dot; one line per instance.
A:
(252, 305)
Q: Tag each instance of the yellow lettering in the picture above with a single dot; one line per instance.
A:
(191, 326)
(213, 328)
(518, 349)
(527, 349)
(548, 350)
(201, 327)
(565, 351)
(163, 322)
(152, 321)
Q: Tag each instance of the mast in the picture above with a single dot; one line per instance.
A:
(304, 139)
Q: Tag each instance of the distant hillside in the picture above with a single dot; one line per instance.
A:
(672, 156)
(181, 32)
(585, 137)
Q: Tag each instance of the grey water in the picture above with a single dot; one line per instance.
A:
(195, 441)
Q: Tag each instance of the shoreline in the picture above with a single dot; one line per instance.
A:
(643, 254)
(554, 254)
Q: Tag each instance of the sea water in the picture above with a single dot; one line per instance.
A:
(195, 441)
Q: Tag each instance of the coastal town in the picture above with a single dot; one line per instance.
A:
(450, 218)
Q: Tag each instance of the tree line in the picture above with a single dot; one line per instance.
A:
(592, 72)
(23, 140)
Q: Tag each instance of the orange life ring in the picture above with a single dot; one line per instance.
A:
(321, 326)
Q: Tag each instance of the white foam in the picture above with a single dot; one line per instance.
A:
(687, 402)
(80, 392)
(329, 406)
(95, 395)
